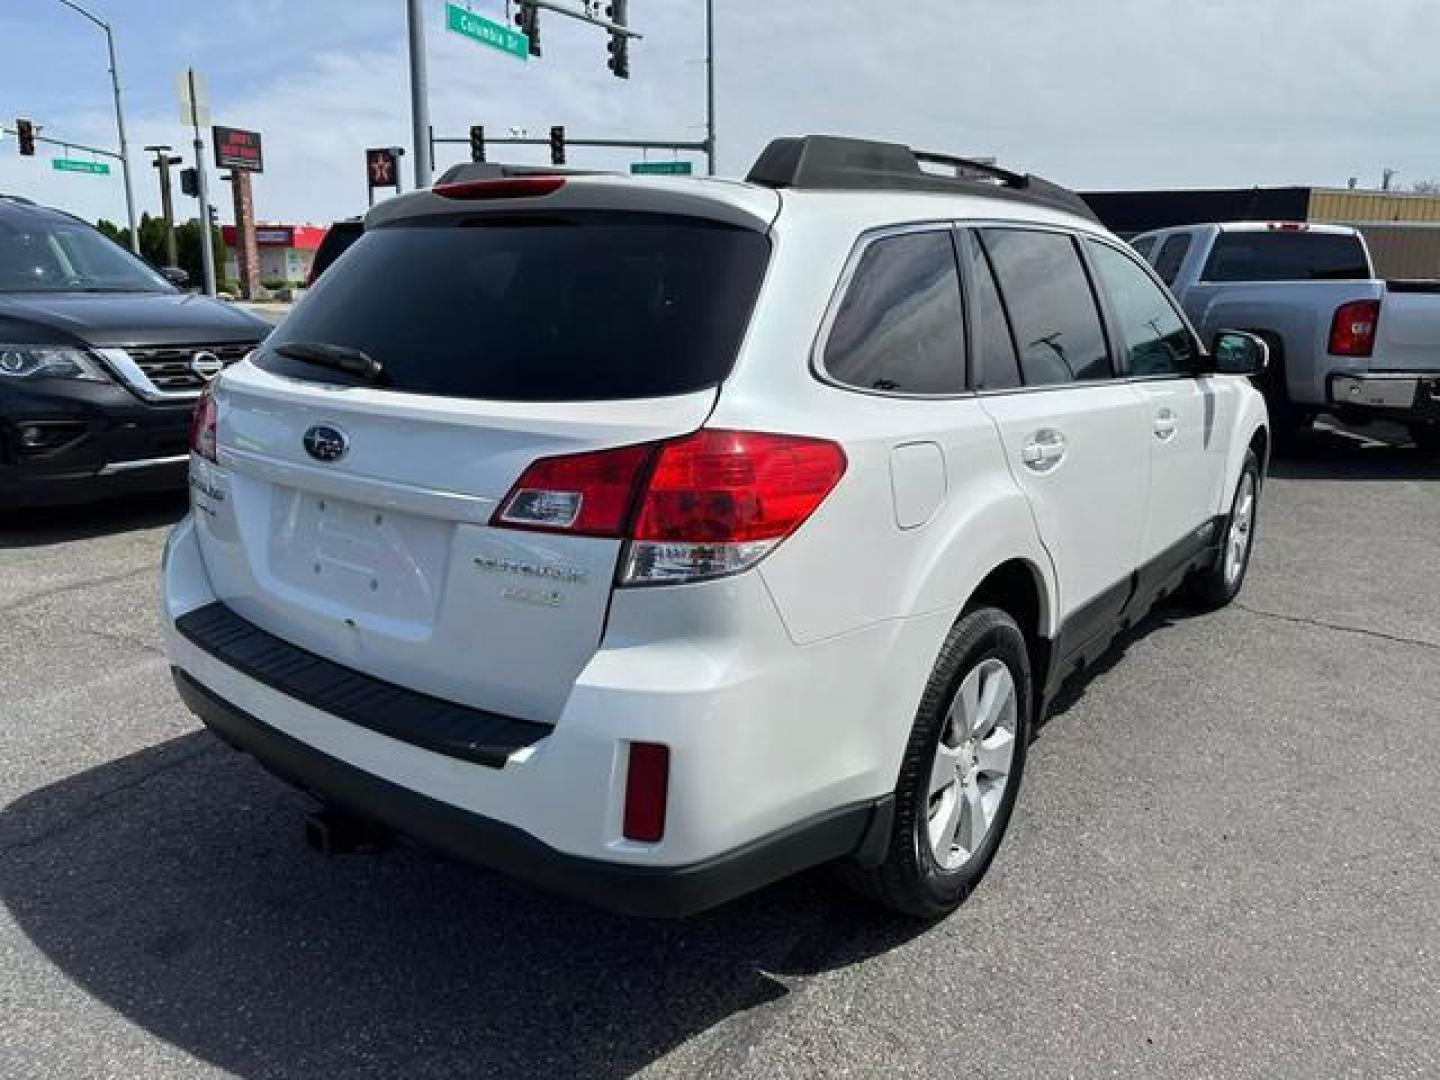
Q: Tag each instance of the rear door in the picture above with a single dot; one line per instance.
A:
(1074, 435)
(1187, 417)
(354, 518)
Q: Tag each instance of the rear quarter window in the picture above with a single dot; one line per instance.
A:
(1287, 256)
(583, 306)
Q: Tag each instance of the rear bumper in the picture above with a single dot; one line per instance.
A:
(779, 755)
(660, 891)
(1406, 396)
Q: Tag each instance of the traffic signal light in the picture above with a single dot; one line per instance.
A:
(619, 44)
(25, 135)
(189, 183)
(557, 145)
(477, 143)
(527, 18)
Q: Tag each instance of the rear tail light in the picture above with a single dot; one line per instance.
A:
(202, 426)
(647, 780)
(1352, 332)
(702, 506)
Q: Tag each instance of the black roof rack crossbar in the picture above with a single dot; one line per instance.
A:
(831, 162)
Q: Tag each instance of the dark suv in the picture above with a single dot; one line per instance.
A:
(101, 360)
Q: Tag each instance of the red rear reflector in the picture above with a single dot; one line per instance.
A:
(202, 426)
(647, 780)
(1352, 331)
(585, 494)
(513, 187)
(736, 487)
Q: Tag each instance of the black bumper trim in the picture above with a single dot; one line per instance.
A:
(443, 727)
(632, 890)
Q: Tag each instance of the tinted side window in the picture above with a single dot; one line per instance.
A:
(995, 365)
(1172, 255)
(1051, 306)
(1145, 246)
(1154, 334)
(1287, 256)
(900, 326)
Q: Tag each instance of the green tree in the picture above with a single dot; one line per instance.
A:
(187, 245)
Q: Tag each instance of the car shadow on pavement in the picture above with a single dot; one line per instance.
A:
(174, 887)
(1335, 452)
(36, 527)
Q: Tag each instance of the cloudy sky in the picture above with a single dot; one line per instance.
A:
(1105, 94)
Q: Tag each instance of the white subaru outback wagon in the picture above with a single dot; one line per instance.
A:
(653, 539)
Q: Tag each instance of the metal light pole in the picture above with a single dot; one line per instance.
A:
(119, 121)
(710, 85)
(207, 247)
(163, 161)
(419, 106)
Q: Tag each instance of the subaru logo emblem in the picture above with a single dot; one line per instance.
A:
(205, 365)
(325, 443)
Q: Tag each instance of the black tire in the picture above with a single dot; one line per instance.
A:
(911, 880)
(1214, 587)
(1427, 437)
(1287, 420)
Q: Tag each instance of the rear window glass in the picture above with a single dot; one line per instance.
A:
(1286, 256)
(1171, 257)
(574, 307)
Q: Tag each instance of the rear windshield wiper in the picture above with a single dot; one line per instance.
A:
(339, 357)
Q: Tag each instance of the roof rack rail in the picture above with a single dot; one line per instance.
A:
(832, 162)
(468, 171)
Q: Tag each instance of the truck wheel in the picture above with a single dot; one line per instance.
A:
(1427, 437)
(961, 771)
(1217, 585)
(1287, 420)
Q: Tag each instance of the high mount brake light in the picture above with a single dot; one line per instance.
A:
(202, 426)
(701, 506)
(514, 187)
(1352, 331)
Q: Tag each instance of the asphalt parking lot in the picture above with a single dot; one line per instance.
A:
(1226, 862)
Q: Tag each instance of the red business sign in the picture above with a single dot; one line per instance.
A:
(236, 149)
(382, 167)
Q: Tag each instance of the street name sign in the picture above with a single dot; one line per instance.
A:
(95, 168)
(660, 168)
(477, 28)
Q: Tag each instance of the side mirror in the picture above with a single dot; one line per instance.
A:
(1235, 352)
(176, 276)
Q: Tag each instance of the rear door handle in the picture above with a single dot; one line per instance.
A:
(1166, 424)
(1043, 450)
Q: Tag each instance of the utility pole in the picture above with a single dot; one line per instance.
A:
(163, 161)
(207, 247)
(119, 121)
(710, 85)
(419, 104)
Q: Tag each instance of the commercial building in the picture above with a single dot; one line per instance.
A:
(286, 252)
(1403, 230)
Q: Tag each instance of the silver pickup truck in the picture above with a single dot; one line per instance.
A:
(1341, 340)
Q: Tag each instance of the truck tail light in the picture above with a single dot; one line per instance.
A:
(202, 426)
(701, 506)
(1352, 331)
(647, 782)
